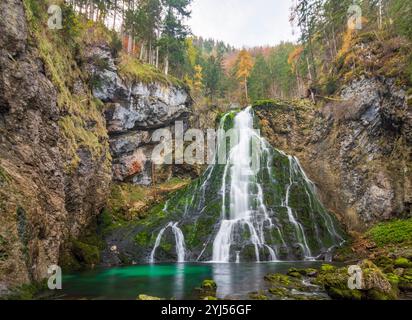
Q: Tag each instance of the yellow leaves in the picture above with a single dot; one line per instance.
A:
(245, 64)
(195, 83)
(191, 51)
(198, 78)
(294, 56)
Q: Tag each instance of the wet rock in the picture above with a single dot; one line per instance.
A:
(292, 287)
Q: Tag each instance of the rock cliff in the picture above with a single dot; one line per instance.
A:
(134, 109)
(54, 161)
(357, 149)
(58, 154)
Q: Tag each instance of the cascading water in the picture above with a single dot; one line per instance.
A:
(241, 212)
(258, 206)
(180, 242)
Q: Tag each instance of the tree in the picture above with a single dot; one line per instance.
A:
(244, 67)
(259, 79)
(174, 32)
(283, 78)
(212, 76)
(198, 79)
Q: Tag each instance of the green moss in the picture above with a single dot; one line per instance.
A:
(402, 263)
(393, 278)
(278, 278)
(344, 294)
(142, 238)
(133, 70)
(146, 297)
(4, 177)
(269, 103)
(83, 126)
(405, 282)
(207, 289)
(209, 285)
(327, 268)
(294, 273)
(258, 296)
(68, 262)
(86, 254)
(279, 292)
(393, 232)
(374, 294)
(3, 252)
(29, 291)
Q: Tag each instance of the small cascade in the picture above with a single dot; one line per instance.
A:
(179, 238)
(258, 206)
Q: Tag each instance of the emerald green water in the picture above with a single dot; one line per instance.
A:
(172, 281)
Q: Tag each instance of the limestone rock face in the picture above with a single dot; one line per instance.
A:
(133, 111)
(357, 150)
(44, 199)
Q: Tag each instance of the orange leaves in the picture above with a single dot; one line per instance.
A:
(245, 64)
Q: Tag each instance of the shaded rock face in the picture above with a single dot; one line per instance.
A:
(357, 150)
(42, 204)
(133, 111)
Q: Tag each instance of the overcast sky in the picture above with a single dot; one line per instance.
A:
(242, 22)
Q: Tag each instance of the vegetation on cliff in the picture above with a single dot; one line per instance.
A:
(83, 126)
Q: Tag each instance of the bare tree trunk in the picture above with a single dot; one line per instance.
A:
(141, 51)
(129, 43)
(157, 57)
(310, 80)
(167, 64)
(150, 52)
(114, 15)
(380, 14)
(246, 91)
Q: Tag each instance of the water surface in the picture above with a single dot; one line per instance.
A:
(172, 281)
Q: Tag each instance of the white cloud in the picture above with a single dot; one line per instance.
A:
(242, 22)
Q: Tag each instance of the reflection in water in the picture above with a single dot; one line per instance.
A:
(179, 282)
(176, 281)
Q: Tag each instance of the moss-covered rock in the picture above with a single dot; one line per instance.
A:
(258, 296)
(29, 291)
(374, 284)
(86, 254)
(207, 289)
(294, 273)
(327, 268)
(146, 297)
(209, 285)
(402, 263)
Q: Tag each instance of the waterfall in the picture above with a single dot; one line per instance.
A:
(241, 212)
(258, 206)
(179, 238)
